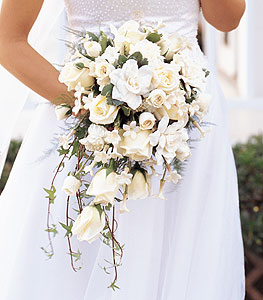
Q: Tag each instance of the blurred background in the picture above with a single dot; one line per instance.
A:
(237, 59)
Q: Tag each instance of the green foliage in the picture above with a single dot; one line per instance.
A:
(154, 37)
(76, 255)
(92, 36)
(52, 229)
(11, 155)
(139, 58)
(68, 228)
(249, 163)
(51, 194)
(103, 40)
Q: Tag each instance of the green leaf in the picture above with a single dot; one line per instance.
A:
(107, 90)
(53, 230)
(143, 62)
(100, 210)
(103, 41)
(51, 194)
(111, 167)
(154, 37)
(80, 65)
(75, 148)
(122, 60)
(126, 110)
(117, 121)
(67, 228)
(49, 254)
(76, 255)
(62, 151)
(92, 36)
(136, 55)
(115, 102)
(207, 72)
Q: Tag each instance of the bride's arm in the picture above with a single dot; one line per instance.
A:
(224, 15)
(19, 58)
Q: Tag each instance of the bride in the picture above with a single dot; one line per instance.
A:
(188, 247)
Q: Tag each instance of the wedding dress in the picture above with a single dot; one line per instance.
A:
(188, 247)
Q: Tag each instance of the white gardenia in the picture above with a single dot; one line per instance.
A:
(61, 112)
(95, 139)
(71, 185)
(89, 224)
(130, 82)
(138, 148)
(111, 54)
(139, 187)
(71, 75)
(92, 48)
(103, 187)
(149, 50)
(146, 120)
(101, 112)
(168, 140)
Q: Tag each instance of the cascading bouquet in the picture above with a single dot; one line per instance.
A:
(137, 95)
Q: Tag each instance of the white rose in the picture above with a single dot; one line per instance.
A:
(95, 139)
(138, 148)
(71, 185)
(157, 98)
(103, 187)
(175, 112)
(61, 112)
(166, 77)
(146, 120)
(139, 187)
(71, 75)
(101, 68)
(130, 82)
(92, 48)
(101, 112)
(89, 224)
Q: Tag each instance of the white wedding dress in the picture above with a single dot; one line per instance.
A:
(188, 247)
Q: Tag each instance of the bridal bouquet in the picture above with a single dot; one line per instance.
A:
(137, 95)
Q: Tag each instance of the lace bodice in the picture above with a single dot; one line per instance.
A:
(179, 15)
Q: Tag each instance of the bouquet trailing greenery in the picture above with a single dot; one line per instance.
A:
(137, 95)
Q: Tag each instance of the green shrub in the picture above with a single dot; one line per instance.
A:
(249, 162)
(11, 155)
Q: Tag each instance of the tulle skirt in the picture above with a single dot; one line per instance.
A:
(188, 247)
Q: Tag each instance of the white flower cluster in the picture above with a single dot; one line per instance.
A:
(140, 90)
